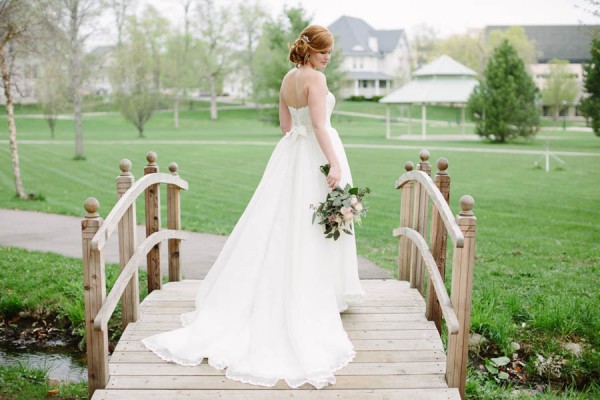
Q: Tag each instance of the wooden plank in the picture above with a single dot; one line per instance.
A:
(158, 369)
(429, 334)
(294, 394)
(220, 382)
(359, 344)
(164, 309)
(348, 325)
(383, 302)
(361, 356)
(345, 317)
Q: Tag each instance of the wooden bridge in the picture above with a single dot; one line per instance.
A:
(395, 332)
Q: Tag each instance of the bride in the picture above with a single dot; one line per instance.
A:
(269, 307)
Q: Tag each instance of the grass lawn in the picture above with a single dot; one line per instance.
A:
(538, 247)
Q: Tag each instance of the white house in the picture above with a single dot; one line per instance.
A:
(374, 60)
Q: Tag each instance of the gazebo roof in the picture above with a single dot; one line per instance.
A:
(442, 81)
(444, 65)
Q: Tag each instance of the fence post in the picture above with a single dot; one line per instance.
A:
(406, 217)
(127, 245)
(94, 291)
(439, 237)
(420, 217)
(462, 288)
(173, 222)
(152, 198)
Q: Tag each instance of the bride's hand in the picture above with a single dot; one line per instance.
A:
(334, 176)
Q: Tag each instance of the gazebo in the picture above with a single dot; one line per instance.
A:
(443, 81)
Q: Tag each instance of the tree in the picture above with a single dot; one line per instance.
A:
(132, 77)
(516, 36)
(120, 9)
(52, 91)
(424, 45)
(72, 17)
(214, 52)
(467, 49)
(590, 106)
(21, 23)
(504, 104)
(252, 16)
(560, 88)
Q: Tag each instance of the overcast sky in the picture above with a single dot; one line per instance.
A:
(447, 16)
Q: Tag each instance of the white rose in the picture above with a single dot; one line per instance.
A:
(358, 206)
(353, 199)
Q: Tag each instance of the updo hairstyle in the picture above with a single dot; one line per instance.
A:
(315, 38)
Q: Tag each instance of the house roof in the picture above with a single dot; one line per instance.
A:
(442, 81)
(444, 65)
(353, 36)
(566, 42)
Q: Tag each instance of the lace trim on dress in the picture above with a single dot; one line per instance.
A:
(318, 379)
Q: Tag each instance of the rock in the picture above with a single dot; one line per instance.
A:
(515, 346)
(475, 341)
(574, 348)
(53, 383)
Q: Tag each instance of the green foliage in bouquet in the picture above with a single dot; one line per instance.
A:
(340, 208)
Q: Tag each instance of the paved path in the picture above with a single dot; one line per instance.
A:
(273, 143)
(62, 234)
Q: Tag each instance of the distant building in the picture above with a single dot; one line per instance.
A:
(374, 60)
(564, 42)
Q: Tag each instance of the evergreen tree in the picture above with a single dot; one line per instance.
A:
(504, 105)
(590, 106)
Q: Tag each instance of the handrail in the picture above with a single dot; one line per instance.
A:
(438, 283)
(112, 220)
(105, 312)
(441, 205)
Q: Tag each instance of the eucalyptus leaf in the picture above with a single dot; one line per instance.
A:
(500, 361)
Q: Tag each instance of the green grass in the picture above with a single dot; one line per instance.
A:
(23, 382)
(538, 253)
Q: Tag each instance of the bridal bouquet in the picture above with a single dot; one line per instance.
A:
(340, 208)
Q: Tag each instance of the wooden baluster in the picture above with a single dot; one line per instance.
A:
(173, 222)
(94, 291)
(439, 237)
(127, 245)
(153, 224)
(420, 224)
(462, 288)
(406, 218)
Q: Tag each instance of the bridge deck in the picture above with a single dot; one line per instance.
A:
(399, 354)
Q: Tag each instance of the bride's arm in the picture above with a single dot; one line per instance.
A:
(317, 93)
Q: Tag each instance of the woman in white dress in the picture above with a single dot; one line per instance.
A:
(269, 307)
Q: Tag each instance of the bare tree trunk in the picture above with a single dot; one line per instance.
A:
(176, 111)
(12, 129)
(76, 82)
(213, 97)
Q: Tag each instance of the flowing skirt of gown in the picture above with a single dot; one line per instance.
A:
(269, 307)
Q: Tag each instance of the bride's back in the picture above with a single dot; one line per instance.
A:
(295, 86)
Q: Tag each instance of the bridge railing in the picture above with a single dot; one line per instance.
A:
(419, 192)
(95, 234)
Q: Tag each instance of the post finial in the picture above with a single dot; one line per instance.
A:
(173, 167)
(466, 204)
(409, 166)
(442, 166)
(424, 155)
(151, 157)
(125, 167)
(91, 205)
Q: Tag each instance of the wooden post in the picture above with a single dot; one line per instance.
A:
(437, 243)
(424, 121)
(388, 130)
(462, 288)
(94, 291)
(406, 218)
(420, 217)
(127, 245)
(173, 222)
(153, 224)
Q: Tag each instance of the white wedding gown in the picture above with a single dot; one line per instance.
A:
(269, 307)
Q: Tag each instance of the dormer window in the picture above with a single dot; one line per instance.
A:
(373, 44)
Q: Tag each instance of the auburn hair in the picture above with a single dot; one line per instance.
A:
(315, 38)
